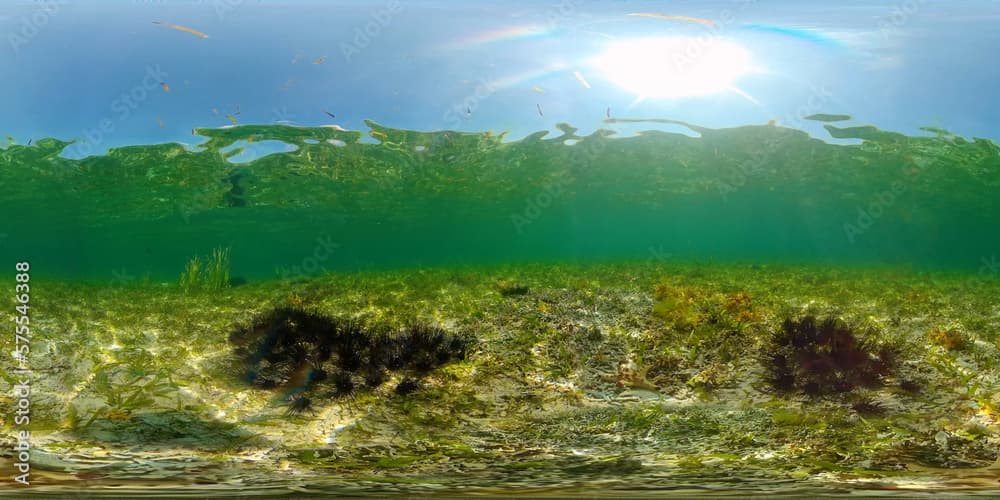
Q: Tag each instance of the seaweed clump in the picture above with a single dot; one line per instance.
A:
(297, 351)
(948, 338)
(825, 357)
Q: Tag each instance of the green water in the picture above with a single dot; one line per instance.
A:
(406, 198)
(630, 307)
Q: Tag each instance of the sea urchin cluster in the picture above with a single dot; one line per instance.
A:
(297, 351)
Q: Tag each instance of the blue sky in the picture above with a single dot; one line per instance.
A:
(67, 65)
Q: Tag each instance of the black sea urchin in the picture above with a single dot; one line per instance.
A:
(825, 357)
(343, 385)
(427, 347)
(298, 351)
(276, 345)
(299, 404)
(407, 386)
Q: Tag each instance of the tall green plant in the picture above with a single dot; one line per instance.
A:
(191, 277)
(217, 274)
(212, 273)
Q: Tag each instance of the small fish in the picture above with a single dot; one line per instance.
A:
(231, 118)
(237, 112)
(539, 106)
(160, 121)
(329, 114)
(583, 81)
(29, 142)
(468, 111)
(166, 88)
(608, 112)
(321, 60)
(703, 22)
(538, 89)
(181, 28)
(10, 139)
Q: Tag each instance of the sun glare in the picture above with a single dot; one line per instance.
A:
(674, 66)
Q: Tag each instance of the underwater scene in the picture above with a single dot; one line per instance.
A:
(554, 248)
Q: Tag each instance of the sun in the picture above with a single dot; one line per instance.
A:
(672, 67)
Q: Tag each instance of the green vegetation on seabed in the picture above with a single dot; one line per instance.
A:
(210, 274)
(623, 377)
